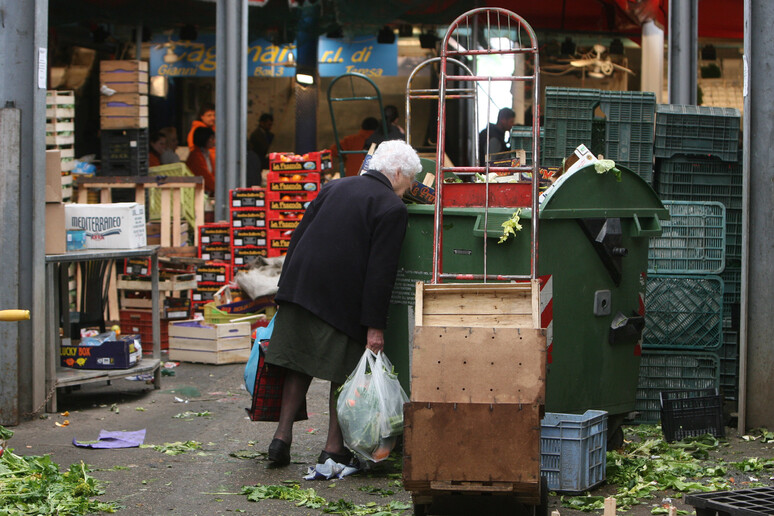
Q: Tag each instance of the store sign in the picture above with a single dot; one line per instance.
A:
(362, 55)
(171, 57)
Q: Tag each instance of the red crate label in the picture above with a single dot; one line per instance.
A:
(248, 218)
(284, 223)
(248, 197)
(213, 272)
(214, 234)
(248, 237)
(215, 252)
(244, 255)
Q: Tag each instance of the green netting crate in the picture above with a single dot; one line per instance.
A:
(683, 312)
(569, 115)
(671, 370)
(700, 179)
(629, 118)
(734, 237)
(732, 295)
(521, 138)
(728, 356)
(699, 130)
(693, 241)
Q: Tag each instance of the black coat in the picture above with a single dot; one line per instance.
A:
(343, 256)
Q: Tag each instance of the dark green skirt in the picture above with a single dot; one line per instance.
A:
(303, 342)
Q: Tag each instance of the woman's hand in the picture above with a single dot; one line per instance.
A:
(375, 340)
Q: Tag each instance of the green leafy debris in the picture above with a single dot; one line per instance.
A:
(175, 448)
(188, 415)
(510, 226)
(34, 485)
(309, 498)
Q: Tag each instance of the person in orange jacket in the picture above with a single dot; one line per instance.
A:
(355, 142)
(206, 118)
(199, 160)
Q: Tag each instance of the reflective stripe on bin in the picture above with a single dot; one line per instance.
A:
(547, 312)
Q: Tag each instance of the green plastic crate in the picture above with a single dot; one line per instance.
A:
(521, 138)
(683, 312)
(569, 115)
(734, 238)
(732, 295)
(700, 179)
(693, 241)
(699, 130)
(671, 370)
(728, 356)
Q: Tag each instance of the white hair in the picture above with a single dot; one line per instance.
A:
(396, 156)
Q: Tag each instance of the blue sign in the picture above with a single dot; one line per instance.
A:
(172, 57)
(363, 55)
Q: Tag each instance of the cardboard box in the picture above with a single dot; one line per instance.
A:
(108, 226)
(53, 176)
(248, 197)
(56, 235)
(248, 217)
(197, 341)
(123, 353)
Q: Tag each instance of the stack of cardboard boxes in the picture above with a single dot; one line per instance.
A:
(124, 117)
(56, 242)
(60, 135)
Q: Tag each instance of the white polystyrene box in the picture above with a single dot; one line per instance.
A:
(108, 226)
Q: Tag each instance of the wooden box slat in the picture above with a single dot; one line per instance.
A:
(478, 365)
(457, 443)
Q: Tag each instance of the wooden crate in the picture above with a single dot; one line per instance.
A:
(123, 65)
(124, 99)
(478, 365)
(196, 341)
(487, 305)
(123, 122)
(472, 447)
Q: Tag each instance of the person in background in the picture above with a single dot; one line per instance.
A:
(205, 118)
(260, 139)
(352, 142)
(495, 134)
(157, 144)
(170, 153)
(394, 130)
(199, 161)
(335, 287)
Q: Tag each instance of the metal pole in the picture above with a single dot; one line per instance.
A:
(306, 95)
(23, 83)
(683, 51)
(756, 355)
(230, 101)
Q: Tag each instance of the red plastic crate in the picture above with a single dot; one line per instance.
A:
(247, 197)
(215, 252)
(215, 233)
(141, 322)
(317, 161)
(214, 272)
(248, 217)
(205, 292)
(277, 201)
(279, 182)
(283, 220)
(137, 266)
(242, 256)
(248, 237)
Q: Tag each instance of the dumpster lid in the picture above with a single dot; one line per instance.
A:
(586, 194)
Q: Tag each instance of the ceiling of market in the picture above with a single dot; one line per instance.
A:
(277, 20)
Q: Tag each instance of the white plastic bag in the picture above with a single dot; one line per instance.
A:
(370, 407)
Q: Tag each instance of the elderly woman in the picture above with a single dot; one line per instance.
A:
(335, 287)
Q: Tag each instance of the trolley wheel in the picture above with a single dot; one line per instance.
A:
(542, 509)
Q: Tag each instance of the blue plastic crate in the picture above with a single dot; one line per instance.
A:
(700, 179)
(698, 130)
(573, 450)
(683, 312)
(671, 370)
(693, 241)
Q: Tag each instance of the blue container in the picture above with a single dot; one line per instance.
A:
(76, 239)
(573, 450)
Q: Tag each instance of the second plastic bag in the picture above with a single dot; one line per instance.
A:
(370, 407)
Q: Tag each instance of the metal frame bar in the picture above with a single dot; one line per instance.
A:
(519, 24)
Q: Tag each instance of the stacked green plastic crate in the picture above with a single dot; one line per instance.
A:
(698, 159)
(616, 124)
(683, 305)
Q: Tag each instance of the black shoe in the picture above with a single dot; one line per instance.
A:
(279, 452)
(347, 458)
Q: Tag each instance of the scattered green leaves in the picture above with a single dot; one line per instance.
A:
(175, 448)
(309, 498)
(188, 415)
(34, 485)
(248, 454)
(373, 490)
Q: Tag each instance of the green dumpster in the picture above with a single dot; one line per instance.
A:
(593, 251)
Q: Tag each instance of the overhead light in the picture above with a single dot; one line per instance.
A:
(170, 56)
(616, 47)
(428, 40)
(568, 46)
(305, 79)
(386, 35)
(708, 53)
